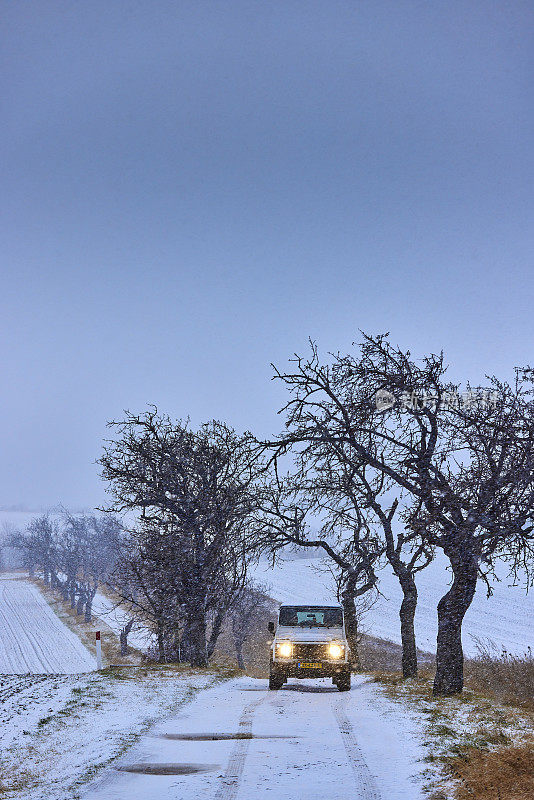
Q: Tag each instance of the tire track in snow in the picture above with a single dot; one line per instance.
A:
(366, 787)
(232, 776)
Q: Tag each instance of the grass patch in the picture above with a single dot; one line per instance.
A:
(444, 730)
(154, 690)
(473, 742)
(507, 678)
(21, 783)
(504, 774)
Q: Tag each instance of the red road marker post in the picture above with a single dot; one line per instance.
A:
(98, 651)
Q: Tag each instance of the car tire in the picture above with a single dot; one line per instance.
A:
(275, 681)
(343, 682)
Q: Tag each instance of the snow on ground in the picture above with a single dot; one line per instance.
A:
(505, 618)
(57, 732)
(312, 742)
(33, 639)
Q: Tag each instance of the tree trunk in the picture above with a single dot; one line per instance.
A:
(197, 637)
(80, 604)
(195, 606)
(123, 637)
(406, 579)
(351, 624)
(215, 631)
(72, 594)
(161, 646)
(407, 615)
(89, 597)
(239, 653)
(176, 645)
(185, 639)
(451, 611)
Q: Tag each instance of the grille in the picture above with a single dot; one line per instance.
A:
(310, 652)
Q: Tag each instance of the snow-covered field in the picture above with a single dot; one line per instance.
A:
(33, 639)
(506, 617)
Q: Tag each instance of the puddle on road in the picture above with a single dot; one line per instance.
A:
(293, 687)
(214, 737)
(168, 769)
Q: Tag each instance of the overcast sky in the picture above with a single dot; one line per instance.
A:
(192, 189)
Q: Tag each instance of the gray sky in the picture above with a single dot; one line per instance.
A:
(191, 189)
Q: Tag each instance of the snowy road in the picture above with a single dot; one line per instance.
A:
(305, 741)
(32, 638)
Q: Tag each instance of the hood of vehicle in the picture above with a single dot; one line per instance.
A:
(310, 634)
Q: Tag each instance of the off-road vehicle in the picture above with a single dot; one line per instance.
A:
(309, 642)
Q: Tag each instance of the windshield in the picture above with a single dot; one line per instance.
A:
(311, 617)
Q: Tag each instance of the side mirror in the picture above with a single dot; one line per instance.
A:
(270, 627)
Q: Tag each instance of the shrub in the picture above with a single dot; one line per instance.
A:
(509, 678)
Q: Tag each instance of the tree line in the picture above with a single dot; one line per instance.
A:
(177, 560)
(381, 460)
(183, 565)
(73, 553)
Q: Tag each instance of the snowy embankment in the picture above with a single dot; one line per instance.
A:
(33, 639)
(505, 617)
(58, 732)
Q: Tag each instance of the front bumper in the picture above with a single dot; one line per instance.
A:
(290, 668)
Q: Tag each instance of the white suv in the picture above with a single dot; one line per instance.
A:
(310, 642)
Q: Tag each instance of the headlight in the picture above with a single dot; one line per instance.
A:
(336, 650)
(284, 649)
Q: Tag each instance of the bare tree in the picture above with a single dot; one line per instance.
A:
(194, 487)
(248, 615)
(10, 556)
(38, 545)
(348, 490)
(99, 556)
(86, 550)
(146, 585)
(123, 636)
(464, 476)
(153, 582)
(74, 553)
(69, 556)
(479, 506)
(350, 484)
